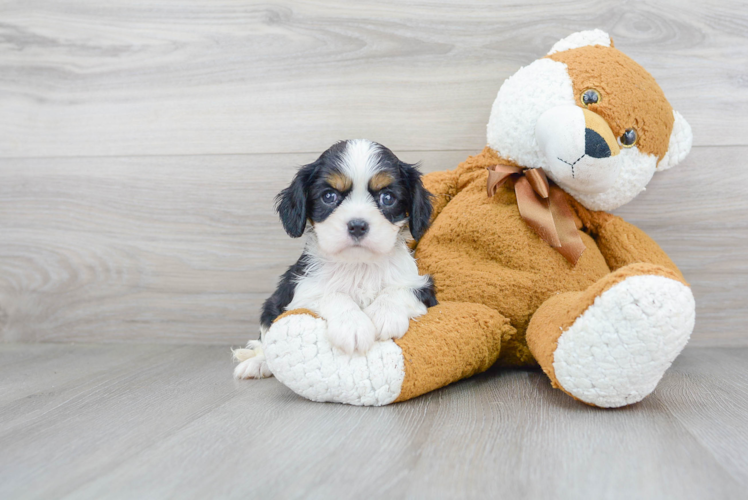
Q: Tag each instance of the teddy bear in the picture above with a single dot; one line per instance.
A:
(530, 268)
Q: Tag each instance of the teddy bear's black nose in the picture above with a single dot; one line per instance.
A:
(594, 144)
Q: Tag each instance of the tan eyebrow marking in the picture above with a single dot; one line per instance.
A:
(339, 181)
(380, 180)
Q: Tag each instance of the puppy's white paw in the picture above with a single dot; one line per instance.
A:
(351, 331)
(390, 321)
(254, 348)
(254, 367)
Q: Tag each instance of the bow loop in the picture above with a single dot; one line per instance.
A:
(499, 175)
(542, 206)
(538, 181)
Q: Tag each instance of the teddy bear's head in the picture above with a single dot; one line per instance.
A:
(594, 120)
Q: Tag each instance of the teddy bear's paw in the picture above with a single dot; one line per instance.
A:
(616, 352)
(351, 331)
(390, 322)
(301, 357)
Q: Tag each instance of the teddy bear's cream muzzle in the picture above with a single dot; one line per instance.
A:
(580, 149)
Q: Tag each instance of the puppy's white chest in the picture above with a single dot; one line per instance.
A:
(361, 282)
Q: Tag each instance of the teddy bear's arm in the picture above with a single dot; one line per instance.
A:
(442, 186)
(622, 243)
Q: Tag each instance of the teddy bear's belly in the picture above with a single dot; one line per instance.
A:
(480, 250)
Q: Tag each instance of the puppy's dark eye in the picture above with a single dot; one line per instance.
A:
(330, 197)
(629, 138)
(590, 96)
(386, 199)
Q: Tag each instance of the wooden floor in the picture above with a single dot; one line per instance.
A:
(145, 421)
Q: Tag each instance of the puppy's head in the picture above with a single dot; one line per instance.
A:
(359, 199)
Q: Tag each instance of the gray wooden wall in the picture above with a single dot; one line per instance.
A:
(141, 142)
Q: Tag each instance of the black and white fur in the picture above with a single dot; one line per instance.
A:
(356, 270)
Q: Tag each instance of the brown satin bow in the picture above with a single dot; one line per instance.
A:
(542, 206)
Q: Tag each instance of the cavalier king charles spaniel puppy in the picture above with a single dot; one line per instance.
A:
(358, 205)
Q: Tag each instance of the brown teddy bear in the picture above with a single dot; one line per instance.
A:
(529, 268)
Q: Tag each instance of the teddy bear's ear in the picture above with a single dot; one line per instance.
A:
(582, 39)
(681, 139)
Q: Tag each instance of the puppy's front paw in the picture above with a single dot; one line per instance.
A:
(350, 331)
(390, 321)
(254, 367)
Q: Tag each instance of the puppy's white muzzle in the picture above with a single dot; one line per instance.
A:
(355, 229)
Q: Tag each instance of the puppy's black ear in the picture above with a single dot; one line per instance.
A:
(291, 203)
(419, 211)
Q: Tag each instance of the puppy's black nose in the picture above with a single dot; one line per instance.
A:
(594, 144)
(358, 228)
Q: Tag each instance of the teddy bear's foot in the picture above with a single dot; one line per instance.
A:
(300, 355)
(450, 342)
(615, 352)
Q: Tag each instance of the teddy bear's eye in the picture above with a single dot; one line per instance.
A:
(590, 96)
(629, 138)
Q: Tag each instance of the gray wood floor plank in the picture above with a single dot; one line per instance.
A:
(53, 370)
(92, 425)
(203, 77)
(708, 394)
(185, 249)
(172, 423)
(553, 444)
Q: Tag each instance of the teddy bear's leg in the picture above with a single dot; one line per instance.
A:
(454, 340)
(609, 345)
(450, 342)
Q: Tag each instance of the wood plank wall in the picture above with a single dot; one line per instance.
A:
(142, 142)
